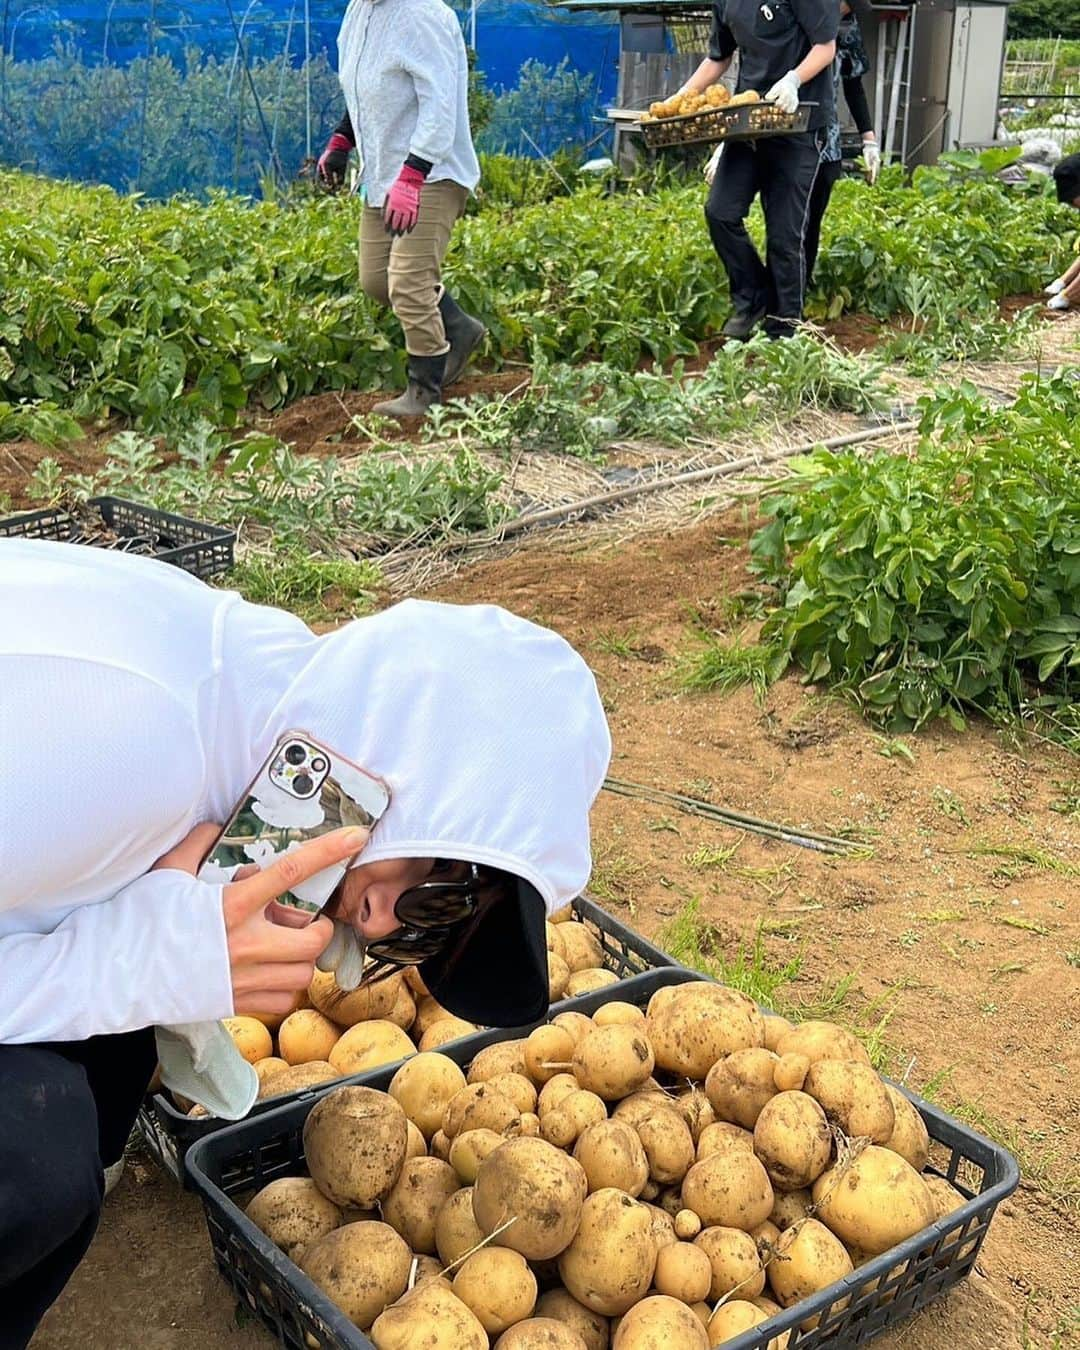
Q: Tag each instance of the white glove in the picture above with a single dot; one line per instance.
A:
(713, 164)
(200, 1060)
(1055, 287)
(344, 955)
(1058, 302)
(785, 93)
(871, 153)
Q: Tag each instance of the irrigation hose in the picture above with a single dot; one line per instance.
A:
(819, 843)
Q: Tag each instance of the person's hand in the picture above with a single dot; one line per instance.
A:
(269, 959)
(871, 153)
(785, 93)
(401, 210)
(713, 164)
(334, 160)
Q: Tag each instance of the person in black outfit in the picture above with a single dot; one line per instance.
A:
(786, 48)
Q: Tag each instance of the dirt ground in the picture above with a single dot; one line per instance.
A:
(971, 957)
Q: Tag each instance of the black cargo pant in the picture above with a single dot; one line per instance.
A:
(829, 175)
(784, 170)
(66, 1111)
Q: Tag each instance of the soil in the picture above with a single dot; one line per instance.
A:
(963, 954)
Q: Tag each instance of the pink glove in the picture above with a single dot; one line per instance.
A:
(334, 160)
(401, 209)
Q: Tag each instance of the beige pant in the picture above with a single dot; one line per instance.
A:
(405, 272)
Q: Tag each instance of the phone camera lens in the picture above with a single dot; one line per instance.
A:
(319, 765)
(303, 784)
(295, 754)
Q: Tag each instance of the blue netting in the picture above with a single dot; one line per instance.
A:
(158, 96)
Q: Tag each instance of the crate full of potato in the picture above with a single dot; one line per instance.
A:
(662, 1165)
(332, 1035)
(716, 115)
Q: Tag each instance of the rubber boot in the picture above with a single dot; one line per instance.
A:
(424, 388)
(464, 334)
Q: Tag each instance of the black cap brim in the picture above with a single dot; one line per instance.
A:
(496, 975)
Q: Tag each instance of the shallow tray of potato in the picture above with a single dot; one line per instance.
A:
(663, 1164)
(747, 121)
(332, 1036)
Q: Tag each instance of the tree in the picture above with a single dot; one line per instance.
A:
(1044, 18)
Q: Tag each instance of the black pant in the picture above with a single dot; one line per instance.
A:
(828, 176)
(783, 169)
(66, 1111)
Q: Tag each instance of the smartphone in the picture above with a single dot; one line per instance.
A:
(302, 791)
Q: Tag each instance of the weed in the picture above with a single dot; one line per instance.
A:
(314, 588)
(693, 941)
(893, 747)
(1025, 855)
(615, 876)
(1010, 968)
(712, 857)
(1072, 958)
(662, 825)
(623, 645)
(1025, 925)
(1068, 804)
(723, 667)
(950, 805)
(910, 938)
(1055, 1175)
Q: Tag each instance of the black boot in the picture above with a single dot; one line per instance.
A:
(464, 334)
(742, 322)
(426, 374)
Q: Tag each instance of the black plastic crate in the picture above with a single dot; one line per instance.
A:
(202, 550)
(851, 1312)
(168, 1133)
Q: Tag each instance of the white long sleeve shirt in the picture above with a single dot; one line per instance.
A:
(405, 76)
(137, 702)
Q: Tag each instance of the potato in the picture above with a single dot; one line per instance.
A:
(558, 976)
(612, 1156)
(775, 1029)
(479, 1107)
(493, 1060)
(426, 1268)
(554, 938)
(660, 1323)
(445, 1030)
(789, 1207)
(428, 1012)
(369, 1044)
(423, 1087)
(729, 1190)
(577, 1024)
(766, 1235)
(250, 1037)
(793, 1140)
(294, 1077)
(430, 1316)
(947, 1199)
(589, 980)
(440, 1146)
(613, 1061)
(740, 1084)
(293, 1212)
(663, 1226)
(271, 1021)
(789, 1073)
(641, 1104)
(498, 1286)
(469, 1149)
(362, 1267)
(540, 1333)
(307, 1035)
(361, 1005)
(617, 1013)
(415, 982)
(515, 1087)
(354, 1141)
(767, 1306)
(266, 1068)
(548, 1050)
(609, 1264)
(415, 1143)
(808, 1258)
(529, 1124)
(564, 1125)
(541, 1189)
(554, 1092)
(733, 1260)
(733, 1318)
(875, 1202)
(581, 948)
(909, 1135)
(403, 1013)
(722, 1137)
(852, 1097)
(822, 1040)
(695, 1109)
(563, 915)
(416, 1198)
(456, 1230)
(683, 1271)
(668, 1145)
(592, 1327)
(700, 1024)
(687, 1225)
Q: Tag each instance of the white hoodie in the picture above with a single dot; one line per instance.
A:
(136, 702)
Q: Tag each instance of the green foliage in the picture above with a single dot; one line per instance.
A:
(726, 664)
(1044, 18)
(550, 109)
(698, 944)
(36, 420)
(314, 588)
(946, 580)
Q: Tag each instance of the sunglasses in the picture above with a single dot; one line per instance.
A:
(431, 916)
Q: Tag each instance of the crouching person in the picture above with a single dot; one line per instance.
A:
(404, 73)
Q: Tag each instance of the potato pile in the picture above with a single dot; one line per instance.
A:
(682, 105)
(331, 1034)
(636, 1179)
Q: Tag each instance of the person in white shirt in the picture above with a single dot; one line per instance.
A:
(405, 76)
(136, 706)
